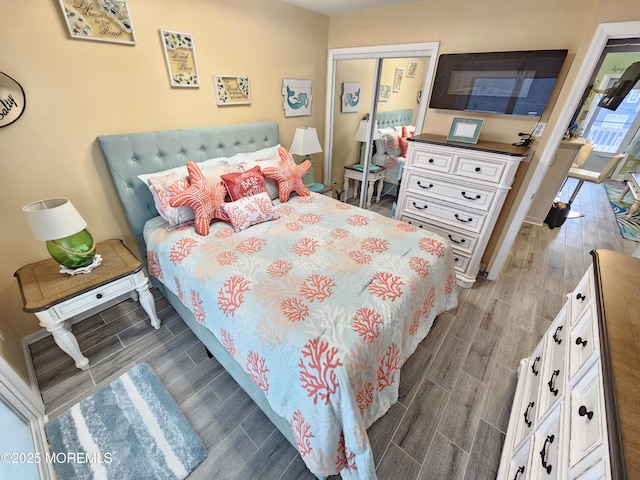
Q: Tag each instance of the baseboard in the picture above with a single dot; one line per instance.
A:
(534, 221)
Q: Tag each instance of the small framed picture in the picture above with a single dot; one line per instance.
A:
(465, 130)
(385, 92)
(232, 90)
(397, 83)
(412, 69)
(180, 56)
(106, 21)
(351, 97)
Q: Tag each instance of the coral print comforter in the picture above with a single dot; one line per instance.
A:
(321, 307)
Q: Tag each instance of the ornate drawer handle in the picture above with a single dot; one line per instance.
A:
(533, 366)
(420, 208)
(519, 472)
(580, 341)
(552, 383)
(582, 411)
(464, 194)
(478, 169)
(556, 338)
(423, 186)
(462, 219)
(544, 452)
(526, 414)
(455, 241)
(581, 297)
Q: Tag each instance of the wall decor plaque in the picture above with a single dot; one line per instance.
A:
(180, 55)
(12, 100)
(232, 90)
(103, 20)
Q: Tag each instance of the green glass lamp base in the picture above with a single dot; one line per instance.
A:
(74, 251)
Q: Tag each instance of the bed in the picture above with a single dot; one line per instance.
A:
(312, 313)
(388, 152)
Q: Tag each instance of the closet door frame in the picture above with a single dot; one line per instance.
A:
(378, 53)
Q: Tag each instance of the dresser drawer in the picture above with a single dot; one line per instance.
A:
(585, 343)
(593, 469)
(427, 159)
(583, 295)
(548, 447)
(472, 196)
(485, 170)
(462, 242)
(520, 464)
(450, 214)
(555, 364)
(529, 408)
(94, 297)
(586, 414)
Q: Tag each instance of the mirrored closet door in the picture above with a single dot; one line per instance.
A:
(373, 93)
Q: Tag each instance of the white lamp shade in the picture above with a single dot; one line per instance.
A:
(53, 218)
(363, 127)
(305, 142)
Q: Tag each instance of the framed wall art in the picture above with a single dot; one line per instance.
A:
(297, 97)
(351, 97)
(180, 55)
(385, 92)
(466, 130)
(232, 90)
(12, 100)
(397, 82)
(103, 20)
(412, 69)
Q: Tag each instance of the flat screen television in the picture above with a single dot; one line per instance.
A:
(614, 96)
(510, 83)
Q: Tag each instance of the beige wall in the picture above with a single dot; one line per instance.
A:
(78, 89)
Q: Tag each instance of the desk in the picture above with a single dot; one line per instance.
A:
(633, 185)
(55, 297)
(351, 173)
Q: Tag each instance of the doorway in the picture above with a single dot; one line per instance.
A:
(610, 131)
(604, 33)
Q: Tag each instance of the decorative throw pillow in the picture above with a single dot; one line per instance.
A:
(250, 211)
(205, 199)
(167, 183)
(272, 185)
(289, 175)
(263, 153)
(406, 133)
(392, 144)
(245, 184)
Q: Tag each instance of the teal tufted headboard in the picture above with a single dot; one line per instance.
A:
(395, 118)
(131, 154)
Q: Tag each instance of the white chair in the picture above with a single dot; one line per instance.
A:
(583, 175)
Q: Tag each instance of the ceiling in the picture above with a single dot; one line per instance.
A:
(337, 7)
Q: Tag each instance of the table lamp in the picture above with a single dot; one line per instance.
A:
(57, 222)
(305, 142)
(361, 136)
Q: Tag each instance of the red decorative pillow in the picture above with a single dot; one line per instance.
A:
(204, 198)
(406, 133)
(245, 184)
(289, 175)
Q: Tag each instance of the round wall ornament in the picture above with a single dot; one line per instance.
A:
(12, 100)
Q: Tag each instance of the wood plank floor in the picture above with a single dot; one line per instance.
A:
(455, 392)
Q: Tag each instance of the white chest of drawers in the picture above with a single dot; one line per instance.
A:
(458, 192)
(575, 413)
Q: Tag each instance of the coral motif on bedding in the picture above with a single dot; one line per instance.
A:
(321, 316)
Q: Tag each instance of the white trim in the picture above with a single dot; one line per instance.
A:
(604, 32)
(425, 49)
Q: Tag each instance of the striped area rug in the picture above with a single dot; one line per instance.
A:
(130, 429)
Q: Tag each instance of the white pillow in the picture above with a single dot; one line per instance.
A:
(262, 154)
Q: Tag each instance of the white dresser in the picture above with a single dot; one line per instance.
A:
(575, 412)
(457, 190)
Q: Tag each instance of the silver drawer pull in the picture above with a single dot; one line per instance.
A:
(424, 186)
(464, 194)
(420, 208)
(462, 219)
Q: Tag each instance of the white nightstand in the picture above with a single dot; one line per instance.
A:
(55, 297)
(352, 173)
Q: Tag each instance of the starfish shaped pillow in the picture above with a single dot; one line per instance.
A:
(289, 175)
(204, 198)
